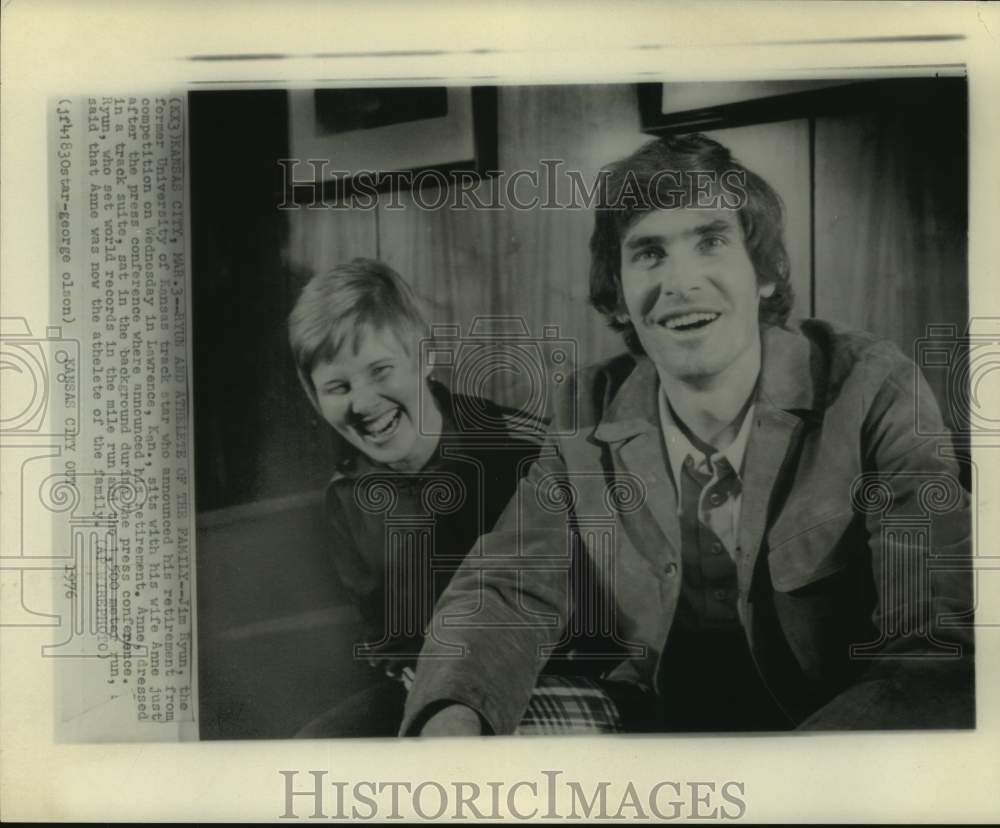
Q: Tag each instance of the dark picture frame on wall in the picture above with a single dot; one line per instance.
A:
(351, 142)
(663, 108)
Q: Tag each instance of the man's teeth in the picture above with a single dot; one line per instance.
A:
(690, 319)
(382, 423)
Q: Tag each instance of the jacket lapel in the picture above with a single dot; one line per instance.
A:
(631, 429)
(774, 434)
(644, 457)
(785, 402)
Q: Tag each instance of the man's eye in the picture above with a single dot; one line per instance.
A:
(649, 256)
(382, 371)
(337, 388)
(710, 243)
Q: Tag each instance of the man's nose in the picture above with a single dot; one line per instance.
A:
(680, 274)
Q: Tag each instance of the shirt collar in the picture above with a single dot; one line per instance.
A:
(679, 446)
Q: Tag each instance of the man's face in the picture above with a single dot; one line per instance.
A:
(691, 291)
(372, 397)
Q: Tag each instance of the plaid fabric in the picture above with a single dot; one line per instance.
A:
(563, 705)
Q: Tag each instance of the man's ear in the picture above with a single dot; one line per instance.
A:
(767, 291)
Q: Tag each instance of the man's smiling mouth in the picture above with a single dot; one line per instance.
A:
(691, 321)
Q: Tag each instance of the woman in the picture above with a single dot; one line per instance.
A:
(424, 473)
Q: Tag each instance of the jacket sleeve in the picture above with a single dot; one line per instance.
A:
(484, 647)
(366, 594)
(919, 672)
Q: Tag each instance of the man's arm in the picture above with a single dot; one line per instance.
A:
(452, 720)
(912, 680)
(484, 647)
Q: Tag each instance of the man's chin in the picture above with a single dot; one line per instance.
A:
(693, 369)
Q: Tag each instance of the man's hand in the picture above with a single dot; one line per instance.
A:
(392, 659)
(453, 720)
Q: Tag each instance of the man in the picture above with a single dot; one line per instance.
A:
(773, 571)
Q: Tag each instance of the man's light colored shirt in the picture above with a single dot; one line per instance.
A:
(722, 497)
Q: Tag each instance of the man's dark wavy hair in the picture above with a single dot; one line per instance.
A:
(633, 186)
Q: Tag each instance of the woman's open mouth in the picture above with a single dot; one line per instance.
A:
(381, 428)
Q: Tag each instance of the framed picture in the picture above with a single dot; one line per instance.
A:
(695, 107)
(343, 142)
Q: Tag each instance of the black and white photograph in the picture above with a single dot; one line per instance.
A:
(651, 422)
(490, 412)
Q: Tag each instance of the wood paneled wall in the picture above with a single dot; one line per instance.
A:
(469, 263)
(892, 220)
(534, 264)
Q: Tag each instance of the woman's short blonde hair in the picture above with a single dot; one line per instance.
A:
(335, 308)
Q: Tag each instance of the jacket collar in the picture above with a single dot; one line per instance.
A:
(788, 374)
(633, 410)
(787, 383)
